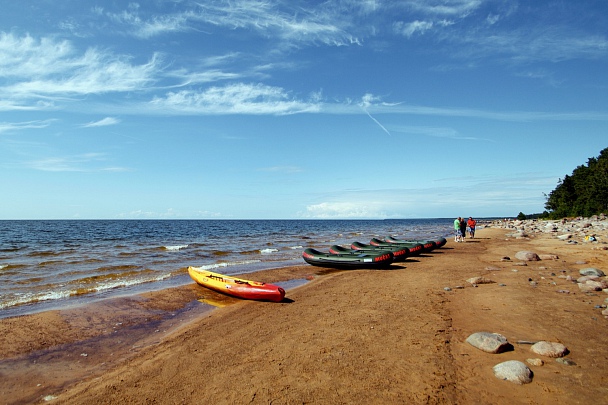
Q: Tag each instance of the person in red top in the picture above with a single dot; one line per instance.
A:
(471, 225)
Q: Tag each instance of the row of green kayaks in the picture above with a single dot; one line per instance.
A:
(379, 253)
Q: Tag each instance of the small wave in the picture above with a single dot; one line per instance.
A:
(43, 253)
(175, 247)
(50, 263)
(128, 283)
(225, 264)
(11, 266)
(268, 251)
(31, 298)
(221, 253)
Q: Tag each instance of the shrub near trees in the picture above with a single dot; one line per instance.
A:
(583, 193)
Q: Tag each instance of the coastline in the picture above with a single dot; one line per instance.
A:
(344, 337)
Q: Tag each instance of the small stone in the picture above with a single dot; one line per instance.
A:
(565, 361)
(535, 362)
(549, 349)
(513, 371)
(447, 289)
(565, 236)
(493, 268)
(527, 256)
(479, 280)
(548, 257)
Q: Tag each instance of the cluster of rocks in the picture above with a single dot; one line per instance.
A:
(573, 230)
(513, 370)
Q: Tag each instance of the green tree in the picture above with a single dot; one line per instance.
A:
(583, 193)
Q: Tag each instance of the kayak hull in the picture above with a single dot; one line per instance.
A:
(365, 260)
(237, 287)
(415, 248)
(400, 253)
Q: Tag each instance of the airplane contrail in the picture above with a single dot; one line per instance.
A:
(376, 121)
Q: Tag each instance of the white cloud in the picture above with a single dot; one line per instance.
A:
(54, 69)
(86, 162)
(415, 27)
(443, 7)
(19, 126)
(321, 24)
(328, 210)
(102, 123)
(238, 98)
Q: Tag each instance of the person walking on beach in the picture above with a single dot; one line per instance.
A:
(458, 236)
(471, 225)
(463, 228)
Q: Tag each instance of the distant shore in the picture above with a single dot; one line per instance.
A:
(388, 336)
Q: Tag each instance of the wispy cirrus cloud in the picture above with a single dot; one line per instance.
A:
(268, 19)
(238, 98)
(102, 123)
(20, 126)
(86, 162)
(48, 69)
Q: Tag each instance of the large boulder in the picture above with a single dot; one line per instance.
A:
(590, 271)
(489, 342)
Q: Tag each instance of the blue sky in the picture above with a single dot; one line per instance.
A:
(296, 109)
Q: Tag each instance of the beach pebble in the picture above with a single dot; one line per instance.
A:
(535, 362)
(493, 268)
(479, 280)
(565, 236)
(505, 259)
(548, 257)
(565, 361)
(527, 256)
(590, 285)
(590, 271)
(489, 342)
(447, 289)
(583, 279)
(513, 371)
(549, 349)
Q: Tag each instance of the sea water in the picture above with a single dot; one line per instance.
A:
(54, 264)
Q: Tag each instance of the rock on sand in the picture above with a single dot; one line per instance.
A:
(513, 371)
(549, 349)
(527, 256)
(489, 342)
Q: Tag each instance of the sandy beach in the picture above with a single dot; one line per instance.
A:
(344, 337)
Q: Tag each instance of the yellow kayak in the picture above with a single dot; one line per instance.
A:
(237, 287)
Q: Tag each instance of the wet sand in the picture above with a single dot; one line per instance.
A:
(363, 336)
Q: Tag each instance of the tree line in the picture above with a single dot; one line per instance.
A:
(582, 193)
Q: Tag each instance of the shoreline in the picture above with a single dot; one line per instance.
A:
(345, 335)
